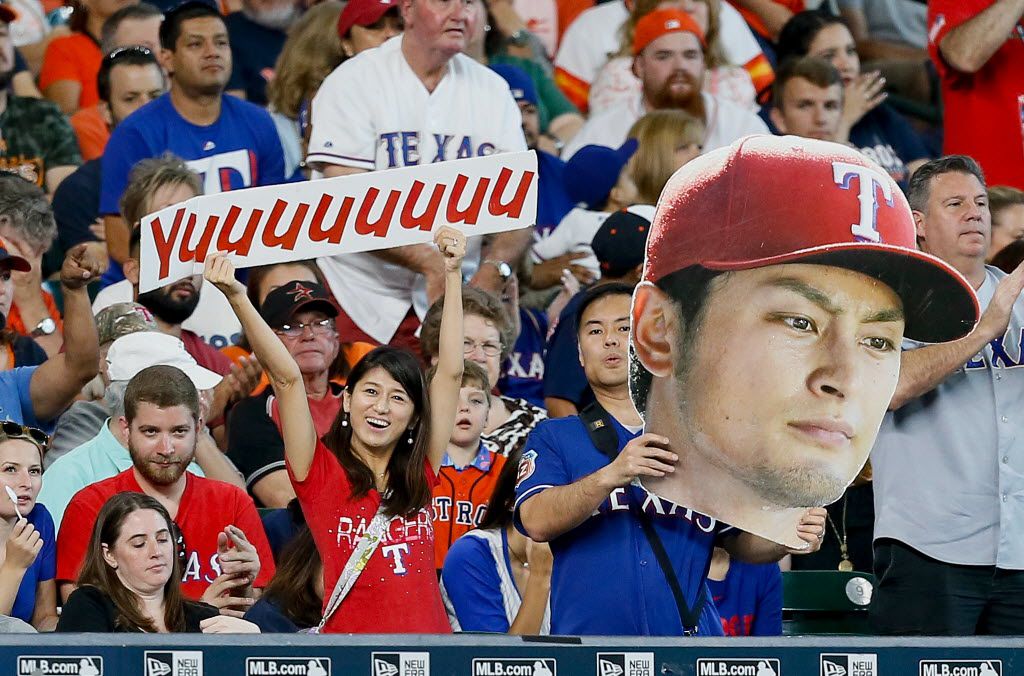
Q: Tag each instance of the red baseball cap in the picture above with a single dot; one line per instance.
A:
(768, 200)
(362, 13)
(660, 22)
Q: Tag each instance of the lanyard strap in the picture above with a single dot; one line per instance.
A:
(603, 436)
(356, 563)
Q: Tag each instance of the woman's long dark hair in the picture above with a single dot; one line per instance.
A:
(503, 499)
(293, 589)
(98, 573)
(409, 491)
(799, 32)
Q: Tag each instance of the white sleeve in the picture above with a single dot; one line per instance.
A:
(738, 41)
(754, 124)
(343, 130)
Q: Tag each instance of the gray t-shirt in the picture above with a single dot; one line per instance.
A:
(949, 466)
(901, 21)
(77, 425)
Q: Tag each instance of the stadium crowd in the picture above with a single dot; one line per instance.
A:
(403, 441)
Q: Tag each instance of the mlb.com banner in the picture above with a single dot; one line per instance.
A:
(362, 212)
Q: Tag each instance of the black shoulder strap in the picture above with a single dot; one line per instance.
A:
(602, 435)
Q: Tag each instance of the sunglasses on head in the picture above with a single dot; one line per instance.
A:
(13, 430)
(119, 53)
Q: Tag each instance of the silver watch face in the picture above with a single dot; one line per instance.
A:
(505, 270)
(46, 327)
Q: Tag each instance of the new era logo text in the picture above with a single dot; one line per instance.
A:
(849, 664)
(174, 663)
(625, 664)
(400, 664)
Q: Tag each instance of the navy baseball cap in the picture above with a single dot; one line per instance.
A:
(592, 172)
(518, 81)
(282, 303)
(12, 262)
(619, 244)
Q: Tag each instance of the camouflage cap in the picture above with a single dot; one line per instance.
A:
(121, 319)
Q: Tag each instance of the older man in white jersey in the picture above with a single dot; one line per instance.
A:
(414, 100)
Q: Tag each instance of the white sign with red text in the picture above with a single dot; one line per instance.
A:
(347, 214)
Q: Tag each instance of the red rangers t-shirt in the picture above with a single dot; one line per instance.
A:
(207, 506)
(397, 592)
(984, 111)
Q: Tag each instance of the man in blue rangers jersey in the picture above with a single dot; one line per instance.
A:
(818, 295)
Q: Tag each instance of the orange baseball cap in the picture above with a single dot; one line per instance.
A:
(660, 22)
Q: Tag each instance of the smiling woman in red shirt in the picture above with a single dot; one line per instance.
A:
(366, 486)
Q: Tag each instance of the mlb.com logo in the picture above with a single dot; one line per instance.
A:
(287, 666)
(514, 666)
(625, 664)
(739, 666)
(400, 664)
(66, 665)
(174, 663)
(961, 668)
(849, 664)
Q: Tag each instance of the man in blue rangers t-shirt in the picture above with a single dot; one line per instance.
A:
(765, 344)
(561, 458)
(230, 143)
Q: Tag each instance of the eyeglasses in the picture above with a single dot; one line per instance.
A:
(491, 349)
(321, 327)
(13, 430)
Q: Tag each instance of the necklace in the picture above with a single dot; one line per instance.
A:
(845, 564)
(524, 564)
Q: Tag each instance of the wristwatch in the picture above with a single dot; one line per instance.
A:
(504, 269)
(44, 328)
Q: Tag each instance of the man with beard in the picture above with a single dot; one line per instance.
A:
(257, 35)
(669, 58)
(221, 544)
(230, 143)
(36, 141)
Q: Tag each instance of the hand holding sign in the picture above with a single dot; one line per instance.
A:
(452, 245)
(220, 272)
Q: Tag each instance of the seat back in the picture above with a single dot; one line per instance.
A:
(826, 602)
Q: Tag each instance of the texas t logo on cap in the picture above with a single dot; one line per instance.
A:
(869, 183)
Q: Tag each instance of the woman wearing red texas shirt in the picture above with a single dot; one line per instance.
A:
(366, 486)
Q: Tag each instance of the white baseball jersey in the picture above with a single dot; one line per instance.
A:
(373, 112)
(594, 36)
(725, 122)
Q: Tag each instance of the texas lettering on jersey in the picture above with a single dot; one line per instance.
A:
(618, 501)
(403, 148)
(1001, 359)
(401, 533)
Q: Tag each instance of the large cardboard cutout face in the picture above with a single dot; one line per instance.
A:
(766, 337)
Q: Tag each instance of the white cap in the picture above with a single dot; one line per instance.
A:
(132, 353)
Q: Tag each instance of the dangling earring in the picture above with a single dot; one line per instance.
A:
(344, 419)
(411, 438)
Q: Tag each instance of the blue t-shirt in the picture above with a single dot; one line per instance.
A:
(563, 375)
(241, 149)
(524, 371)
(633, 598)
(553, 202)
(16, 398)
(42, 569)
(749, 599)
(885, 137)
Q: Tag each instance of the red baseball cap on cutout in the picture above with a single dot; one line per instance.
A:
(362, 13)
(768, 200)
(660, 22)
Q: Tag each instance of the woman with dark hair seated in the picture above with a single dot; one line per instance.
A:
(293, 599)
(131, 578)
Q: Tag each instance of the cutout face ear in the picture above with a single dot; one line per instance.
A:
(655, 329)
